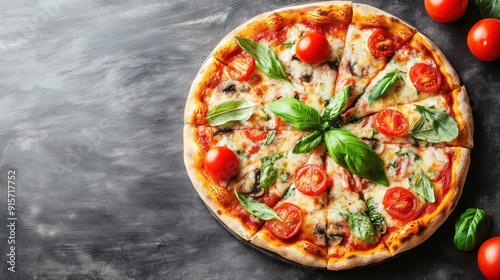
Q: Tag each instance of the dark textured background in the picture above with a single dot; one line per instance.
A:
(92, 95)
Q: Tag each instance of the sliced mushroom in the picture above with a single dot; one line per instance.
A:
(382, 228)
(334, 239)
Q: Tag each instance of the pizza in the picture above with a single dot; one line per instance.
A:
(332, 134)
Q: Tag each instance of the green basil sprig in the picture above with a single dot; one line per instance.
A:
(309, 142)
(382, 86)
(375, 217)
(295, 113)
(256, 208)
(269, 173)
(361, 226)
(270, 137)
(471, 229)
(434, 126)
(353, 154)
(265, 58)
(231, 110)
(336, 104)
(489, 8)
(424, 187)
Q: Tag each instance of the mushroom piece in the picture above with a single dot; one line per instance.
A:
(334, 239)
(257, 189)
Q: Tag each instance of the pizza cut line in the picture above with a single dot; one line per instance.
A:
(333, 134)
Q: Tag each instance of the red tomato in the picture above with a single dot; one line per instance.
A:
(255, 134)
(484, 39)
(390, 122)
(446, 10)
(292, 217)
(312, 48)
(221, 163)
(488, 258)
(425, 78)
(311, 180)
(401, 204)
(381, 43)
(240, 67)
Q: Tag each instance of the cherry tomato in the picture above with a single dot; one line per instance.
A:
(381, 43)
(401, 204)
(221, 163)
(484, 39)
(446, 10)
(311, 180)
(425, 78)
(240, 67)
(292, 217)
(312, 48)
(488, 258)
(390, 122)
(255, 134)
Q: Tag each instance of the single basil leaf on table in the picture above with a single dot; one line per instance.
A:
(336, 104)
(269, 173)
(434, 126)
(231, 110)
(259, 210)
(471, 229)
(308, 143)
(270, 137)
(356, 156)
(424, 187)
(361, 226)
(265, 58)
(296, 114)
(382, 86)
(489, 8)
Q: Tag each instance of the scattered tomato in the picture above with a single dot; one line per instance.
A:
(446, 10)
(312, 48)
(401, 204)
(221, 163)
(240, 67)
(488, 258)
(255, 134)
(425, 78)
(292, 217)
(311, 180)
(390, 122)
(381, 43)
(484, 39)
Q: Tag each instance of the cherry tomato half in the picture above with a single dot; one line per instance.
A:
(292, 217)
(488, 258)
(311, 180)
(381, 43)
(425, 78)
(484, 39)
(445, 10)
(390, 122)
(312, 48)
(255, 134)
(240, 67)
(401, 204)
(221, 163)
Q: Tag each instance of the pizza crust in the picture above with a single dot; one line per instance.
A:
(463, 106)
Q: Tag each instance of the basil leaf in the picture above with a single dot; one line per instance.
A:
(375, 217)
(231, 110)
(269, 173)
(361, 226)
(356, 156)
(336, 104)
(259, 210)
(434, 126)
(270, 137)
(489, 8)
(382, 86)
(308, 143)
(471, 229)
(424, 187)
(295, 113)
(265, 58)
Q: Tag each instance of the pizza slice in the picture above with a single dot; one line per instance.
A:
(372, 38)
(443, 119)
(287, 53)
(301, 235)
(239, 176)
(354, 238)
(415, 72)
